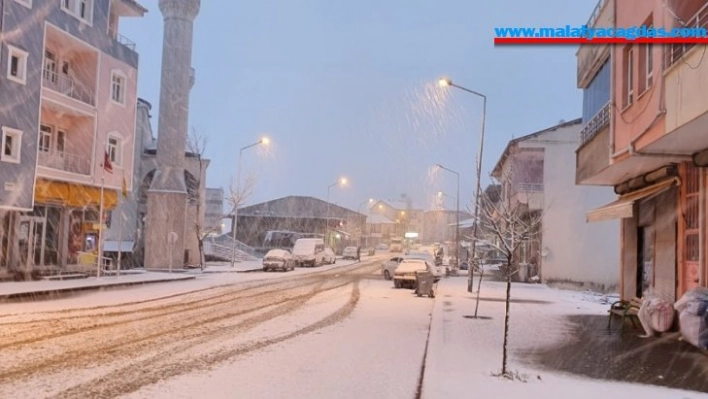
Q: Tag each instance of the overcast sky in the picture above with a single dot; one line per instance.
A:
(347, 88)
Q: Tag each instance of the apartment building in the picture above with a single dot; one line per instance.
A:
(650, 143)
(565, 251)
(68, 84)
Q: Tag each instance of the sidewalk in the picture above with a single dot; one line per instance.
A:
(29, 289)
(464, 353)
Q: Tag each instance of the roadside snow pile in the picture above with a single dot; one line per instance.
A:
(596, 297)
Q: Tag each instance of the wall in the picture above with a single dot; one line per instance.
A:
(580, 254)
(115, 118)
(640, 118)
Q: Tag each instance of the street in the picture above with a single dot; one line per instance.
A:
(241, 332)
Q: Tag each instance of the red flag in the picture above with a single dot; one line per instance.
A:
(107, 166)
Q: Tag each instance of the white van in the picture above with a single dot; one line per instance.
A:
(309, 252)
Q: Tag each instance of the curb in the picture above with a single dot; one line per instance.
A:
(59, 291)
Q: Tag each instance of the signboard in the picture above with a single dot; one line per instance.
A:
(411, 235)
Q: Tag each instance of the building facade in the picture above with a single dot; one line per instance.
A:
(69, 84)
(214, 211)
(652, 148)
(125, 233)
(566, 251)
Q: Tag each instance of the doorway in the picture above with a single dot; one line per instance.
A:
(32, 233)
(645, 260)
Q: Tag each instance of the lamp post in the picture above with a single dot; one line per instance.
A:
(457, 216)
(446, 82)
(341, 182)
(239, 197)
(442, 194)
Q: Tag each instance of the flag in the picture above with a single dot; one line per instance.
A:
(107, 166)
(124, 187)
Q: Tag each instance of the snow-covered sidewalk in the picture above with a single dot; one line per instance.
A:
(464, 353)
(49, 287)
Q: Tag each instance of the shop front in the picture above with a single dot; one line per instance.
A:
(63, 223)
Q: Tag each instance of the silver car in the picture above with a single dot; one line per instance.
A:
(388, 268)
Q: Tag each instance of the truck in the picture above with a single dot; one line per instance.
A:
(396, 245)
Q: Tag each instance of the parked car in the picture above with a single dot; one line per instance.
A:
(405, 275)
(382, 247)
(278, 259)
(309, 252)
(388, 268)
(329, 258)
(351, 253)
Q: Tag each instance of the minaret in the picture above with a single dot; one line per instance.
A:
(167, 196)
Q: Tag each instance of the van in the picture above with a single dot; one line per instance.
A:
(309, 252)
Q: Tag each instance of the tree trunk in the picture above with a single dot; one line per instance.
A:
(479, 286)
(506, 323)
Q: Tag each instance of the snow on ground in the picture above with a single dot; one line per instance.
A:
(375, 353)
(464, 353)
(218, 276)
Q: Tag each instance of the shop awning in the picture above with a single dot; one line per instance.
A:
(623, 207)
(74, 195)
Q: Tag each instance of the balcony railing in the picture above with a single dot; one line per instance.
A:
(63, 84)
(529, 187)
(122, 39)
(675, 51)
(596, 124)
(596, 13)
(65, 161)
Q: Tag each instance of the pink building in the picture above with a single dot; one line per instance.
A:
(649, 142)
(78, 79)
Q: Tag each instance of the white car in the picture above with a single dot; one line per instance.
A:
(405, 275)
(278, 259)
(388, 268)
(351, 253)
(329, 258)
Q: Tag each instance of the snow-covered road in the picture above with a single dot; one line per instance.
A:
(245, 340)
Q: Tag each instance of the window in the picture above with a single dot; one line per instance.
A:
(61, 141)
(11, 143)
(17, 65)
(113, 147)
(628, 72)
(118, 87)
(45, 138)
(81, 9)
(26, 3)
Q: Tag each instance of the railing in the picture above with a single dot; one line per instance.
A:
(65, 161)
(122, 39)
(675, 51)
(596, 124)
(596, 13)
(224, 251)
(225, 240)
(63, 84)
(529, 187)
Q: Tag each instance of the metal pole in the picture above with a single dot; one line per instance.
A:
(327, 220)
(100, 220)
(478, 192)
(457, 227)
(237, 201)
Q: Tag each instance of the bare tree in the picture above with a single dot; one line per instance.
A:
(236, 196)
(197, 145)
(508, 225)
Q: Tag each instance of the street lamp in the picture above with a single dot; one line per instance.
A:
(442, 194)
(457, 216)
(239, 196)
(446, 82)
(341, 182)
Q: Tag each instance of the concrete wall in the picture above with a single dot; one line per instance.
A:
(578, 254)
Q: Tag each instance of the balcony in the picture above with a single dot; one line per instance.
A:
(591, 57)
(66, 162)
(63, 84)
(698, 21)
(596, 124)
(121, 39)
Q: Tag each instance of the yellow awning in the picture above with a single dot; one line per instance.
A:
(73, 195)
(623, 207)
